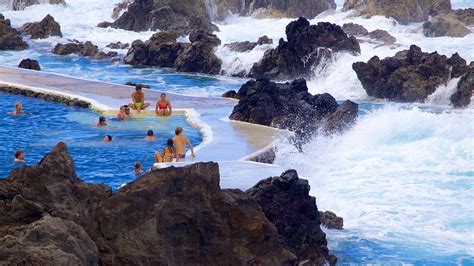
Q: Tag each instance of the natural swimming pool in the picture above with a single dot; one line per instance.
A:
(47, 123)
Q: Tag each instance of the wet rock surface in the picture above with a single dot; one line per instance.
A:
(46, 28)
(48, 97)
(172, 216)
(331, 221)
(29, 64)
(10, 38)
(87, 49)
(409, 76)
(404, 11)
(286, 202)
(357, 30)
(247, 45)
(163, 50)
(290, 106)
(445, 25)
(118, 45)
(307, 46)
(466, 16)
(21, 4)
(465, 88)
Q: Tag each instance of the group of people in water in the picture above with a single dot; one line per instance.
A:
(173, 151)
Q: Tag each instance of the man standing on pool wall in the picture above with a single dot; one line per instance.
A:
(180, 141)
(163, 106)
(138, 100)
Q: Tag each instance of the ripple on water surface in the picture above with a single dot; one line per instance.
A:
(46, 123)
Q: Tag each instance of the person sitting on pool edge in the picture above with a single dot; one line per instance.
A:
(138, 100)
(107, 138)
(163, 106)
(18, 109)
(150, 135)
(19, 156)
(169, 153)
(102, 122)
(180, 141)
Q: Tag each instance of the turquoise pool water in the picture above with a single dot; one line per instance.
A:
(47, 123)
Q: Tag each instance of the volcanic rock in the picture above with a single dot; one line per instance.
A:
(264, 40)
(290, 106)
(41, 30)
(231, 94)
(87, 49)
(466, 16)
(129, 83)
(353, 29)
(382, 36)
(306, 47)
(49, 216)
(248, 46)
(404, 11)
(21, 4)
(118, 45)
(464, 90)
(410, 76)
(330, 220)
(445, 25)
(286, 202)
(29, 64)
(104, 24)
(10, 39)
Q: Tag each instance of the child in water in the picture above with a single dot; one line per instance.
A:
(102, 122)
(138, 168)
(150, 136)
(19, 156)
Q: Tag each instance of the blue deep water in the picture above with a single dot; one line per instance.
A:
(44, 124)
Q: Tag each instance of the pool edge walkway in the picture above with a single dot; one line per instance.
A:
(223, 140)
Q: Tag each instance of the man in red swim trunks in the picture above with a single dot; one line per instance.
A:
(163, 106)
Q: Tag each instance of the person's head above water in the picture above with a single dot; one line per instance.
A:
(138, 165)
(122, 108)
(150, 133)
(178, 130)
(163, 96)
(107, 138)
(19, 155)
(102, 119)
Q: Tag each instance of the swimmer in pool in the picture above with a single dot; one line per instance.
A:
(102, 122)
(107, 139)
(127, 111)
(169, 153)
(18, 109)
(163, 106)
(138, 100)
(180, 141)
(19, 156)
(150, 135)
(122, 115)
(138, 168)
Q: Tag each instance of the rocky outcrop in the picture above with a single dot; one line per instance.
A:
(46, 96)
(41, 30)
(104, 24)
(331, 221)
(382, 36)
(248, 46)
(231, 94)
(10, 39)
(118, 45)
(29, 64)
(172, 216)
(133, 84)
(21, 4)
(86, 49)
(163, 50)
(379, 36)
(290, 106)
(354, 29)
(466, 16)
(404, 11)
(465, 88)
(410, 76)
(286, 202)
(182, 16)
(307, 46)
(445, 25)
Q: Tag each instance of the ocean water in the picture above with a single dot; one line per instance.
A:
(402, 178)
(46, 123)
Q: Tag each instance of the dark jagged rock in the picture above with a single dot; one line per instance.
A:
(464, 90)
(404, 11)
(286, 202)
(353, 29)
(248, 46)
(163, 50)
(118, 45)
(466, 16)
(47, 27)
(264, 40)
(231, 94)
(291, 106)
(87, 49)
(10, 39)
(182, 16)
(104, 24)
(331, 221)
(129, 83)
(172, 216)
(409, 76)
(21, 4)
(445, 25)
(382, 36)
(119, 8)
(29, 64)
(306, 47)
